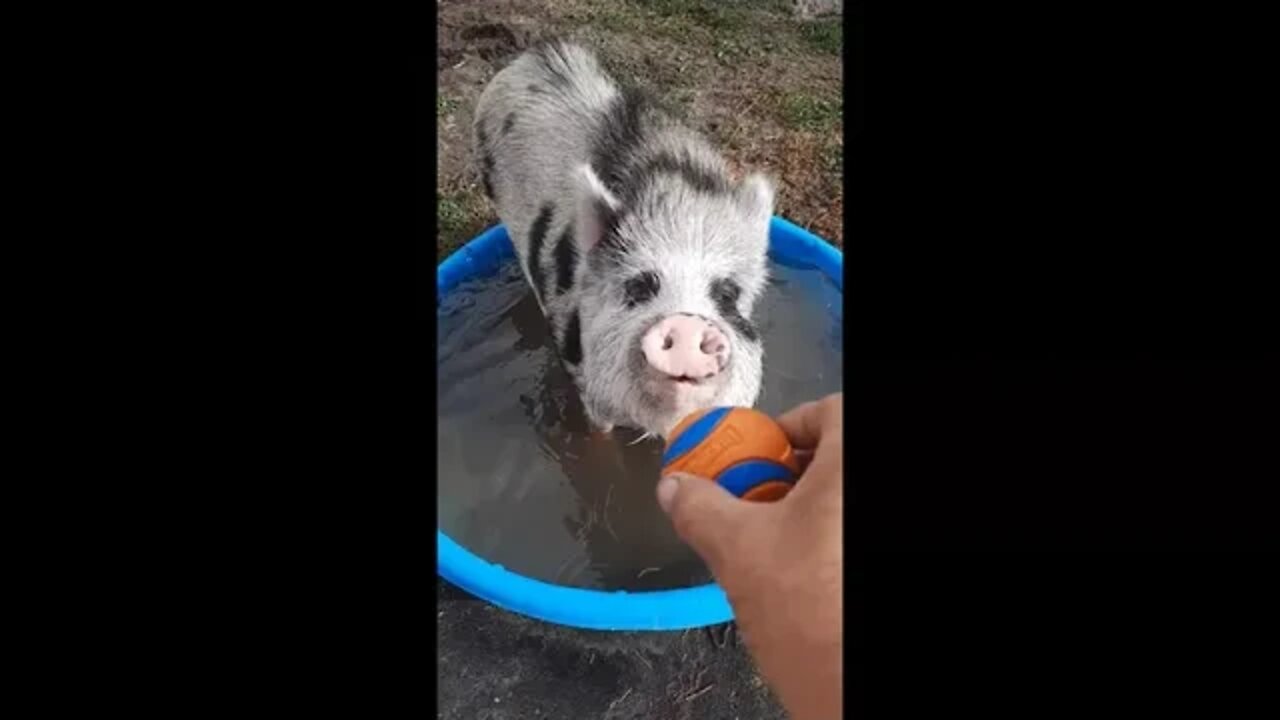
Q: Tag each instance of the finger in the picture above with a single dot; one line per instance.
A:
(823, 479)
(706, 516)
(803, 458)
(806, 424)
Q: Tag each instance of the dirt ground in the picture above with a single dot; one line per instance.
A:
(763, 85)
(495, 665)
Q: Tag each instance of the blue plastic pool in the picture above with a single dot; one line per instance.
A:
(595, 609)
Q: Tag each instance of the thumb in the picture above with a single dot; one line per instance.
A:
(705, 515)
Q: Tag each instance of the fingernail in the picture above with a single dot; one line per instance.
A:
(667, 487)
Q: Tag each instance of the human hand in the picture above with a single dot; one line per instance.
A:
(781, 564)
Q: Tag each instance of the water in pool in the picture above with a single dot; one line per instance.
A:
(522, 483)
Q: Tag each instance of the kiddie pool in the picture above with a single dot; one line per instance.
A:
(578, 607)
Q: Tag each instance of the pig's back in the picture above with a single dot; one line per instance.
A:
(534, 125)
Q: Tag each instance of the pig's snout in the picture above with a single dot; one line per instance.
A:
(684, 346)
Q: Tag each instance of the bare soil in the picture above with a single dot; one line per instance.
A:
(495, 665)
(763, 85)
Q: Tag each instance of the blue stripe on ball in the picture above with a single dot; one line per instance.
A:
(694, 434)
(745, 475)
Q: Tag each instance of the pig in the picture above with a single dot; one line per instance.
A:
(644, 256)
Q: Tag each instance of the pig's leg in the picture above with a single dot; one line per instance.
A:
(598, 422)
(603, 440)
(598, 426)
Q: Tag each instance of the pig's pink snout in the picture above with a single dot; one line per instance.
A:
(684, 346)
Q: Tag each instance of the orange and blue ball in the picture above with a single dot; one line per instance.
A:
(743, 450)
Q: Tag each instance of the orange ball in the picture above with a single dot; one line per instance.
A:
(741, 449)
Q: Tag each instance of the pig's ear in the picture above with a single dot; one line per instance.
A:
(756, 197)
(597, 208)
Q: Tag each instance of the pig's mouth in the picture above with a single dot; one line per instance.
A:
(683, 387)
(667, 399)
(660, 379)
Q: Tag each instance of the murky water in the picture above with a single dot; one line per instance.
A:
(522, 484)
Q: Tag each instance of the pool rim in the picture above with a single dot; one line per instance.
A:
(616, 610)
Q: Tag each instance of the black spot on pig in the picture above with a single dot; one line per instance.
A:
(699, 178)
(571, 346)
(486, 160)
(617, 157)
(537, 235)
(725, 293)
(613, 150)
(508, 122)
(486, 177)
(642, 288)
(745, 327)
(535, 88)
(566, 255)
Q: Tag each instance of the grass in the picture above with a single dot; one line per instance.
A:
(444, 106)
(832, 158)
(741, 32)
(616, 18)
(824, 35)
(802, 111)
(460, 216)
(697, 57)
(450, 215)
(725, 17)
(733, 30)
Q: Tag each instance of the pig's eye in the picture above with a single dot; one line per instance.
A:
(724, 293)
(642, 288)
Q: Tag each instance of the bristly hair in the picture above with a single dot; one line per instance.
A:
(486, 160)
(684, 166)
(571, 343)
(538, 235)
(619, 159)
(550, 53)
(566, 260)
(618, 141)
